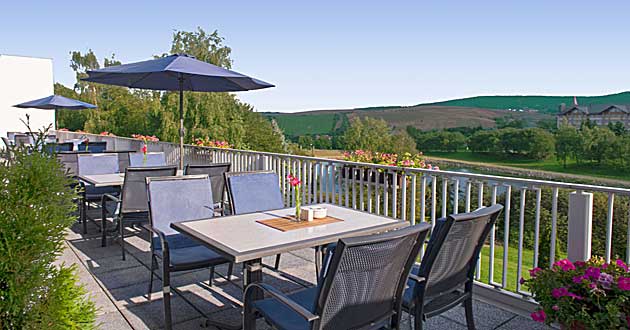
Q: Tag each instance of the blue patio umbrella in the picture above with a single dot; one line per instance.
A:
(177, 72)
(55, 102)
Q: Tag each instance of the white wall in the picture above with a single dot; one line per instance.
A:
(24, 79)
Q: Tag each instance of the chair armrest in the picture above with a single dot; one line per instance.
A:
(416, 278)
(104, 199)
(281, 297)
(162, 236)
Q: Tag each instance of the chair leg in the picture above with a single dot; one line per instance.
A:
(230, 270)
(103, 228)
(277, 265)
(211, 278)
(122, 237)
(166, 291)
(470, 319)
(318, 262)
(153, 268)
(84, 215)
(418, 323)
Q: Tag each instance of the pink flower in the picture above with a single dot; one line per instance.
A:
(623, 283)
(534, 272)
(293, 180)
(144, 149)
(522, 281)
(564, 292)
(565, 265)
(436, 168)
(579, 263)
(578, 279)
(592, 272)
(621, 264)
(555, 308)
(538, 316)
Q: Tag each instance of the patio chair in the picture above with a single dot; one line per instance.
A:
(53, 148)
(255, 191)
(444, 279)
(362, 289)
(132, 207)
(172, 200)
(136, 159)
(91, 164)
(23, 140)
(217, 179)
(93, 147)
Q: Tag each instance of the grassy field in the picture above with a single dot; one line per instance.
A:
(545, 165)
(547, 104)
(301, 124)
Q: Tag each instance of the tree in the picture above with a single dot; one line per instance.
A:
(568, 144)
(367, 134)
(402, 143)
(484, 141)
(305, 141)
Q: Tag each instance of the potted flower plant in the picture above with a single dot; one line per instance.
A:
(388, 159)
(582, 295)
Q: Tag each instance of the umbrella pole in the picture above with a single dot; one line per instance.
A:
(181, 123)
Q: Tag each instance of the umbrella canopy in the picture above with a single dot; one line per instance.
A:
(177, 72)
(55, 102)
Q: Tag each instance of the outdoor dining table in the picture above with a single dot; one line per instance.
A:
(104, 180)
(241, 238)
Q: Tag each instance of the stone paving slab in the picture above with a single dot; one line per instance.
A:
(119, 288)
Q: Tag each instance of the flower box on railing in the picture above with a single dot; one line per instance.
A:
(357, 173)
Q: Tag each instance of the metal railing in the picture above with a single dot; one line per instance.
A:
(419, 195)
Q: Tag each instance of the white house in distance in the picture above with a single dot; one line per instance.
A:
(24, 79)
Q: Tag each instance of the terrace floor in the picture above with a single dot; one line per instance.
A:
(119, 288)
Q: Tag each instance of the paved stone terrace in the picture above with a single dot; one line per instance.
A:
(119, 288)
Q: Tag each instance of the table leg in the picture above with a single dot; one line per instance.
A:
(252, 273)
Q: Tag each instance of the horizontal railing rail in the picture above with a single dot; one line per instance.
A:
(535, 221)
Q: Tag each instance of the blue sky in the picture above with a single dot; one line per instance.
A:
(342, 54)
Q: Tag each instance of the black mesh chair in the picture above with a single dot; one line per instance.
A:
(132, 207)
(53, 148)
(93, 147)
(172, 200)
(255, 191)
(92, 164)
(138, 159)
(216, 173)
(362, 289)
(444, 279)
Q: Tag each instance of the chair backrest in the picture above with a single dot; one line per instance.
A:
(91, 164)
(134, 190)
(451, 256)
(366, 278)
(23, 139)
(93, 147)
(216, 173)
(253, 191)
(57, 147)
(11, 135)
(178, 199)
(136, 159)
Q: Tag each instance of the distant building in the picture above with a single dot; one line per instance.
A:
(597, 114)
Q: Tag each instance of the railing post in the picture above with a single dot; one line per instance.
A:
(580, 226)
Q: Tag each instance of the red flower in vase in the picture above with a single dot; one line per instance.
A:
(144, 149)
(293, 180)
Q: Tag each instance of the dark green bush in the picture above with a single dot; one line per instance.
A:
(36, 202)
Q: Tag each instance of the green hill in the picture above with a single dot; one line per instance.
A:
(471, 111)
(547, 104)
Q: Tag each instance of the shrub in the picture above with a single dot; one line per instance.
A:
(584, 295)
(36, 202)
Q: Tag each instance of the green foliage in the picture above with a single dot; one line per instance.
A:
(373, 134)
(123, 112)
(440, 141)
(36, 202)
(528, 143)
(308, 123)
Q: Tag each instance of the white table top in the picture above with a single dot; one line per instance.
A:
(104, 180)
(240, 238)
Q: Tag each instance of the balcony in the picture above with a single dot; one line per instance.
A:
(414, 195)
